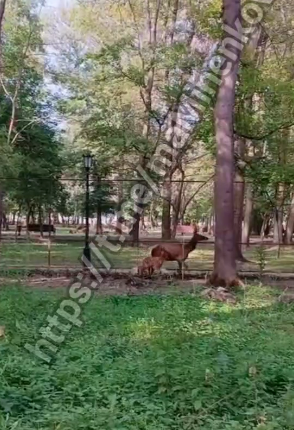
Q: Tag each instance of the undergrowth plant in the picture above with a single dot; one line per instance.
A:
(149, 363)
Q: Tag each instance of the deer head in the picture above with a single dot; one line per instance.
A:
(200, 238)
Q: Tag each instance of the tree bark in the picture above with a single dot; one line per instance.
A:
(40, 221)
(152, 215)
(28, 221)
(119, 221)
(55, 218)
(99, 214)
(2, 11)
(225, 272)
(278, 214)
(247, 215)
(290, 223)
(239, 192)
(166, 208)
(177, 206)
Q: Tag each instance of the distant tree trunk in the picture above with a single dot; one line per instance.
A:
(5, 222)
(13, 217)
(143, 221)
(55, 218)
(120, 219)
(278, 226)
(247, 215)
(290, 223)
(175, 221)
(177, 206)
(210, 224)
(99, 229)
(139, 207)
(264, 228)
(225, 273)
(166, 210)
(2, 11)
(40, 221)
(239, 191)
(135, 230)
(152, 218)
(28, 221)
(33, 216)
(278, 214)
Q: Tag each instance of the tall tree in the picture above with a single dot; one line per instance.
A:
(225, 259)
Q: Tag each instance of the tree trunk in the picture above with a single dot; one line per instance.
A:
(135, 231)
(290, 223)
(40, 221)
(247, 215)
(143, 224)
(175, 221)
(28, 221)
(239, 191)
(278, 226)
(225, 273)
(210, 224)
(177, 207)
(278, 215)
(55, 218)
(166, 209)
(2, 11)
(119, 220)
(99, 229)
(152, 220)
(5, 222)
(139, 206)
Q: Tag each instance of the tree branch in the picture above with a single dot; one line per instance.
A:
(282, 127)
(196, 192)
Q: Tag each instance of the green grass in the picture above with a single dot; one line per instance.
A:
(150, 363)
(69, 255)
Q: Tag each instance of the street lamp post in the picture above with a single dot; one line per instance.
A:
(88, 162)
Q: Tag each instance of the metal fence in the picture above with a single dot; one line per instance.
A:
(61, 254)
(64, 249)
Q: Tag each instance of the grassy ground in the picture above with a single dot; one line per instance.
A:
(68, 255)
(150, 363)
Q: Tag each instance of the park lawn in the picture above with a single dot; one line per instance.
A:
(150, 362)
(69, 255)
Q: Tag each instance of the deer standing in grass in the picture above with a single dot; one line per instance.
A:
(177, 251)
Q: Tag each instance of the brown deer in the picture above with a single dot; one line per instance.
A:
(178, 251)
(149, 264)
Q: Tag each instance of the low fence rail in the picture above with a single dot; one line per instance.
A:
(65, 252)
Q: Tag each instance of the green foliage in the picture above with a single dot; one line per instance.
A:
(150, 363)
